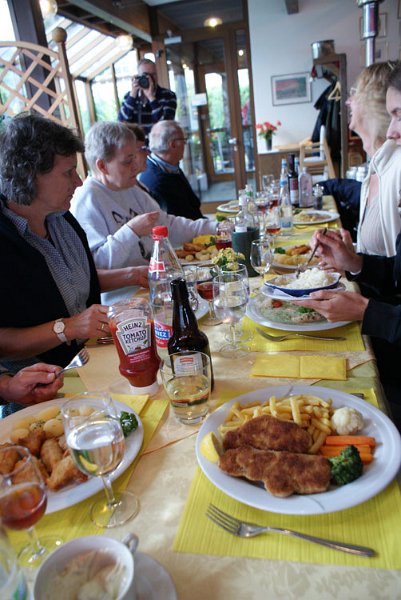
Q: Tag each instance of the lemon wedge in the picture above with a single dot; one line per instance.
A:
(210, 447)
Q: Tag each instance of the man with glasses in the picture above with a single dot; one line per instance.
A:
(147, 102)
(163, 177)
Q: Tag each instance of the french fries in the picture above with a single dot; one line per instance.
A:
(309, 412)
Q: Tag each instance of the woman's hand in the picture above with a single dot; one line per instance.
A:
(31, 385)
(89, 323)
(337, 252)
(337, 306)
(143, 224)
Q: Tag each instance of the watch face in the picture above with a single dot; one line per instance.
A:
(59, 327)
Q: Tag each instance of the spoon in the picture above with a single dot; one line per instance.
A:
(303, 268)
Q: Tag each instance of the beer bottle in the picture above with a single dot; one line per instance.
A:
(186, 333)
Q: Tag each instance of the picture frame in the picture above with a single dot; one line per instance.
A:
(294, 88)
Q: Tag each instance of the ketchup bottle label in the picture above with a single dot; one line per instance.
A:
(134, 335)
(163, 333)
(156, 266)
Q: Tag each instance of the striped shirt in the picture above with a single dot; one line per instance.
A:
(144, 113)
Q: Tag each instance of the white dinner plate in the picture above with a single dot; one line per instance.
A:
(152, 581)
(229, 207)
(253, 313)
(74, 493)
(278, 265)
(376, 476)
(322, 216)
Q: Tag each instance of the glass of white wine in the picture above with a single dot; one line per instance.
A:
(261, 256)
(96, 442)
(230, 297)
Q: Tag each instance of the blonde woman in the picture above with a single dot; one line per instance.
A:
(379, 217)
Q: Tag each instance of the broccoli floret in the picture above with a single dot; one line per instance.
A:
(346, 467)
(128, 422)
(279, 250)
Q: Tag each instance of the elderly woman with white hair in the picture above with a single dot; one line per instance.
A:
(379, 218)
(116, 214)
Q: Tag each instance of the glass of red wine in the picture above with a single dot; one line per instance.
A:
(23, 501)
(204, 287)
(224, 230)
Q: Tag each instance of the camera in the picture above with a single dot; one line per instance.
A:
(143, 81)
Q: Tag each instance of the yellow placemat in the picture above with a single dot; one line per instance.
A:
(74, 522)
(353, 339)
(300, 367)
(374, 523)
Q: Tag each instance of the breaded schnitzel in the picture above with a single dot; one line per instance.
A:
(282, 473)
(268, 433)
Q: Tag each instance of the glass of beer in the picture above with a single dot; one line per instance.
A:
(23, 501)
(187, 382)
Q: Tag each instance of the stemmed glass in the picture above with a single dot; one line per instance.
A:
(262, 204)
(261, 256)
(96, 442)
(204, 287)
(230, 297)
(23, 501)
(266, 182)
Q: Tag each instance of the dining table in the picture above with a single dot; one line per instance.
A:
(203, 560)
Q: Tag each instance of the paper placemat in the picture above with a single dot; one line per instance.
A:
(374, 523)
(75, 521)
(297, 366)
(352, 343)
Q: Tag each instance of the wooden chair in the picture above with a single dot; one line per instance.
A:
(36, 79)
(316, 157)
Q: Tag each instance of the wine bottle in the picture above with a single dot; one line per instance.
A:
(293, 181)
(186, 334)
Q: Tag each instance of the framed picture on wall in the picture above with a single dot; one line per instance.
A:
(291, 89)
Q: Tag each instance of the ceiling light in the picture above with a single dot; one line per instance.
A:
(48, 8)
(212, 22)
(241, 53)
(124, 41)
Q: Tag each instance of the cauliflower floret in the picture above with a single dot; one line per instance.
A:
(347, 421)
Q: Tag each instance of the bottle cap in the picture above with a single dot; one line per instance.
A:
(160, 231)
(151, 389)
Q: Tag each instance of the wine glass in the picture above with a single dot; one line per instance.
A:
(224, 230)
(261, 255)
(96, 442)
(23, 501)
(241, 334)
(204, 287)
(273, 221)
(262, 204)
(230, 298)
(266, 182)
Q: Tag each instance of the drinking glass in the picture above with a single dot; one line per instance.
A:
(262, 204)
(96, 442)
(224, 230)
(230, 297)
(261, 256)
(204, 287)
(242, 335)
(266, 181)
(273, 221)
(23, 501)
(186, 378)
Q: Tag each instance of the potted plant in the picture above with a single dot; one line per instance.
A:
(267, 130)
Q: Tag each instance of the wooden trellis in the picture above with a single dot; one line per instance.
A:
(36, 79)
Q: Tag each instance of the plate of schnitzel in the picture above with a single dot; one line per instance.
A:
(376, 475)
(75, 492)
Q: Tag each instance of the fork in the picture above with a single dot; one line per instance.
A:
(302, 268)
(245, 530)
(289, 336)
(79, 360)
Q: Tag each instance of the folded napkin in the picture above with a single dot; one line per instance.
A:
(374, 523)
(300, 367)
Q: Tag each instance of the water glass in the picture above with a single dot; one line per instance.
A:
(230, 297)
(204, 287)
(261, 255)
(186, 378)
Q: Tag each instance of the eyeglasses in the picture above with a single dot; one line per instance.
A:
(182, 139)
(352, 91)
(144, 149)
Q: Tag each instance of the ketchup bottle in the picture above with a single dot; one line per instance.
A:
(132, 329)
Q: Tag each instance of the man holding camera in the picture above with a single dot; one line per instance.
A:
(147, 102)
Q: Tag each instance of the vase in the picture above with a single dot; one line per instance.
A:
(268, 143)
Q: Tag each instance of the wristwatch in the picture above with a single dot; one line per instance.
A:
(58, 329)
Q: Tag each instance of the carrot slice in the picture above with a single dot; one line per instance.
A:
(364, 452)
(350, 440)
